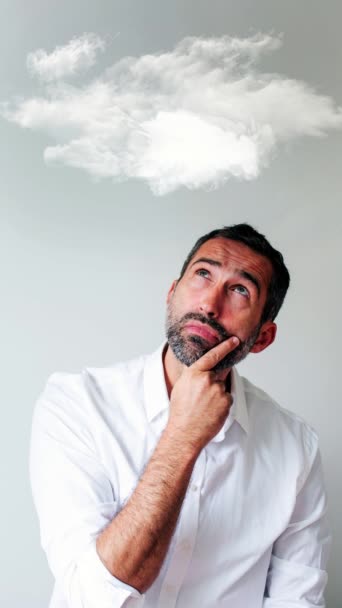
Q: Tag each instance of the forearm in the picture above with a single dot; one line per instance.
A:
(134, 544)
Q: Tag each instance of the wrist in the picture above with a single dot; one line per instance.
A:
(182, 442)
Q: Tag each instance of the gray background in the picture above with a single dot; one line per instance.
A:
(85, 267)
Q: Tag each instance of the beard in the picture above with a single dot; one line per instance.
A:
(189, 348)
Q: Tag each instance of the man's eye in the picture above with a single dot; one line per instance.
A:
(241, 289)
(202, 270)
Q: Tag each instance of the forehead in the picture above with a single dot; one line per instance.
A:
(234, 255)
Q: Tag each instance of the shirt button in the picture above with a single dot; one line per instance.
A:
(169, 588)
(194, 487)
(185, 545)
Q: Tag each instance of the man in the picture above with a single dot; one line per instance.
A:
(171, 481)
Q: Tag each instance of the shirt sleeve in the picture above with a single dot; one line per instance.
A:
(74, 499)
(297, 574)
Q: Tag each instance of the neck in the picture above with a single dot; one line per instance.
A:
(173, 369)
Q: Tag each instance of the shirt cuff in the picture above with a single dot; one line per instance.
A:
(101, 588)
(294, 584)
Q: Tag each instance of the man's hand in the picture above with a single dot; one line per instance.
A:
(199, 403)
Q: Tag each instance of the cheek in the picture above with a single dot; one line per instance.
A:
(176, 306)
(238, 322)
(185, 299)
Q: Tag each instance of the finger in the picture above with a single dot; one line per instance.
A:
(220, 376)
(220, 383)
(214, 355)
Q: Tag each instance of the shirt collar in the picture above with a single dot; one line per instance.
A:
(157, 399)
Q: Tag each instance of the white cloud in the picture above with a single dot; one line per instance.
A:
(192, 117)
(64, 61)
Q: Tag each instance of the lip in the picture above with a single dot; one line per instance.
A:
(202, 330)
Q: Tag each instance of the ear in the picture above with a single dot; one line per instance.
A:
(171, 290)
(267, 334)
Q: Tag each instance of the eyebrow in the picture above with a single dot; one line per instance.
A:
(241, 273)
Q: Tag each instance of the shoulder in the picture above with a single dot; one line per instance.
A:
(78, 394)
(259, 402)
(281, 430)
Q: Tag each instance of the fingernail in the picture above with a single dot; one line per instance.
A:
(235, 340)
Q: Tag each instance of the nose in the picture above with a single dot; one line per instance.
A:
(210, 304)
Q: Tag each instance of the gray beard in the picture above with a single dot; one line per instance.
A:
(188, 349)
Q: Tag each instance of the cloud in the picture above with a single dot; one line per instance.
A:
(192, 117)
(64, 61)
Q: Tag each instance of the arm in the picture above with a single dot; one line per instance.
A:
(134, 545)
(74, 499)
(297, 574)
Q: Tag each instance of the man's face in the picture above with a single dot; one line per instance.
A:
(223, 292)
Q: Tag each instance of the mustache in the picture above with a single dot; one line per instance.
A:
(191, 316)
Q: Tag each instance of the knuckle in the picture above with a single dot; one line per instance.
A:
(207, 381)
(215, 358)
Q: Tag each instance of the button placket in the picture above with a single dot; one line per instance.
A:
(186, 537)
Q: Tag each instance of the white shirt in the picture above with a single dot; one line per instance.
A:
(252, 531)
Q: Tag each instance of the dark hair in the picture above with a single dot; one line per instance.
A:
(246, 234)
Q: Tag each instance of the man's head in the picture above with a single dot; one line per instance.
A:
(233, 282)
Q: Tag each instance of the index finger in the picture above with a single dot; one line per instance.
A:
(214, 355)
